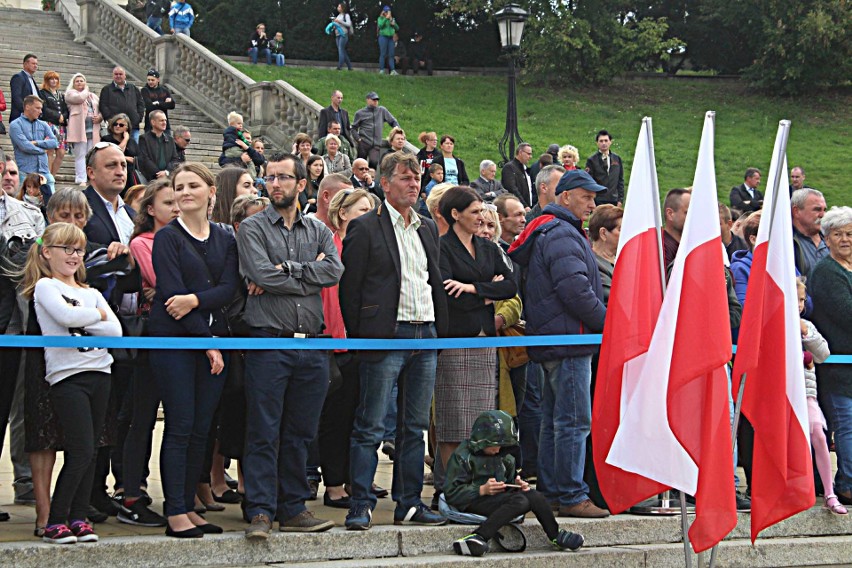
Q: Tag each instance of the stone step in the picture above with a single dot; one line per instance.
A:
(813, 537)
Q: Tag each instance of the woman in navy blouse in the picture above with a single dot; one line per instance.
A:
(197, 273)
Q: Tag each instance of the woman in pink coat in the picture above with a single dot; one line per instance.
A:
(84, 123)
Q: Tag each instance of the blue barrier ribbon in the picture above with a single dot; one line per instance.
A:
(245, 344)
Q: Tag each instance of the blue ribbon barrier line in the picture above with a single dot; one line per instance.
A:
(245, 343)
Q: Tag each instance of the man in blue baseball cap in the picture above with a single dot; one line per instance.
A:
(564, 295)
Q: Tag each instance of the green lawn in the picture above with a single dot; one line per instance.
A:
(473, 110)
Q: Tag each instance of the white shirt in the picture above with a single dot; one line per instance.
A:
(123, 222)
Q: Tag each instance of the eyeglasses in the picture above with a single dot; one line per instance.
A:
(280, 177)
(121, 124)
(69, 250)
(187, 140)
(90, 155)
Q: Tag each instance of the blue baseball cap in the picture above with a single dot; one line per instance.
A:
(573, 179)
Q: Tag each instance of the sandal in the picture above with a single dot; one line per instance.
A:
(833, 505)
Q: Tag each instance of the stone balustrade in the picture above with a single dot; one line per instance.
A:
(277, 111)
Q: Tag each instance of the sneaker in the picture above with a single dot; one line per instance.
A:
(259, 528)
(584, 509)
(305, 522)
(419, 514)
(567, 540)
(381, 71)
(104, 503)
(743, 503)
(394, 72)
(83, 531)
(359, 518)
(58, 534)
(471, 545)
(4, 516)
(140, 515)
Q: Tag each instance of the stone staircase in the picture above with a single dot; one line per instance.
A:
(813, 538)
(46, 35)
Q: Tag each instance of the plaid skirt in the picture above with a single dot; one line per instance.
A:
(465, 387)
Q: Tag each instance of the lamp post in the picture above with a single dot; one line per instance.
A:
(510, 23)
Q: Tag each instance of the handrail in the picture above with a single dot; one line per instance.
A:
(277, 111)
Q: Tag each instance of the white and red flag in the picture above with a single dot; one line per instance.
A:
(634, 304)
(675, 427)
(769, 352)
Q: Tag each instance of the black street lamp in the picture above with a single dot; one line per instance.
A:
(510, 23)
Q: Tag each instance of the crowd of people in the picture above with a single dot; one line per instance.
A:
(349, 234)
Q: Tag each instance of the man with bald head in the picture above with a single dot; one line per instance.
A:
(334, 112)
(331, 185)
(361, 178)
(123, 97)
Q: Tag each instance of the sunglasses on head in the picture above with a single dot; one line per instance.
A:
(90, 155)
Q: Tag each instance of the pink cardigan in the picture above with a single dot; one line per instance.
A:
(141, 248)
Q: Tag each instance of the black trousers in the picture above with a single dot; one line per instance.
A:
(502, 508)
(143, 401)
(10, 362)
(335, 429)
(80, 402)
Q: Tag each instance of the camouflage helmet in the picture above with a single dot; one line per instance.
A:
(493, 428)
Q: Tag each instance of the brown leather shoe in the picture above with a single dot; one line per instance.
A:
(305, 522)
(584, 509)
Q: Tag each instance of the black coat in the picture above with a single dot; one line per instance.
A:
(514, 179)
(327, 115)
(468, 313)
(375, 189)
(19, 88)
(155, 99)
(146, 163)
(129, 101)
(101, 228)
(742, 201)
(369, 288)
(613, 179)
(54, 107)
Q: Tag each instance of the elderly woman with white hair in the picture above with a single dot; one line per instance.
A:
(486, 185)
(336, 162)
(830, 286)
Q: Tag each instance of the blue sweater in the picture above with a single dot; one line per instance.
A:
(32, 158)
(179, 270)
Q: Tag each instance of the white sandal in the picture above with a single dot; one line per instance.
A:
(833, 505)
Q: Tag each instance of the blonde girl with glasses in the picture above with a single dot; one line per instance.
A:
(79, 377)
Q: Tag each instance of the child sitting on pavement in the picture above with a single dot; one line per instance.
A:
(482, 479)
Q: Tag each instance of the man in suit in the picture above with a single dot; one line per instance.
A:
(112, 220)
(335, 112)
(23, 84)
(392, 288)
(516, 177)
(746, 197)
(361, 178)
(158, 154)
(607, 169)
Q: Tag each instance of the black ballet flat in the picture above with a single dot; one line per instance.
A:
(210, 528)
(194, 532)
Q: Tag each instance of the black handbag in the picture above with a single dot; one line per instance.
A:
(132, 325)
(2, 127)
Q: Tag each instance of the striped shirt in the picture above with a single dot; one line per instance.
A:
(415, 294)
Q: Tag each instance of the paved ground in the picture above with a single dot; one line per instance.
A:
(20, 527)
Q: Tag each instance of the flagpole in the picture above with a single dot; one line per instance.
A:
(663, 504)
(684, 527)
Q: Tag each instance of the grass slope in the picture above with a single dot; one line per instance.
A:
(473, 110)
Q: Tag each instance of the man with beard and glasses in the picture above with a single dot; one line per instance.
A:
(292, 258)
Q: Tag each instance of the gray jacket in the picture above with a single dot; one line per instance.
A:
(369, 122)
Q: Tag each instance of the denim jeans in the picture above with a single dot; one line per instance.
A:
(386, 52)
(414, 374)
(253, 52)
(390, 418)
(529, 419)
(839, 409)
(190, 396)
(342, 54)
(285, 390)
(280, 61)
(566, 419)
(156, 24)
(184, 31)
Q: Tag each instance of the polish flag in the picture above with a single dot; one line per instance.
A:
(675, 427)
(634, 304)
(770, 353)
